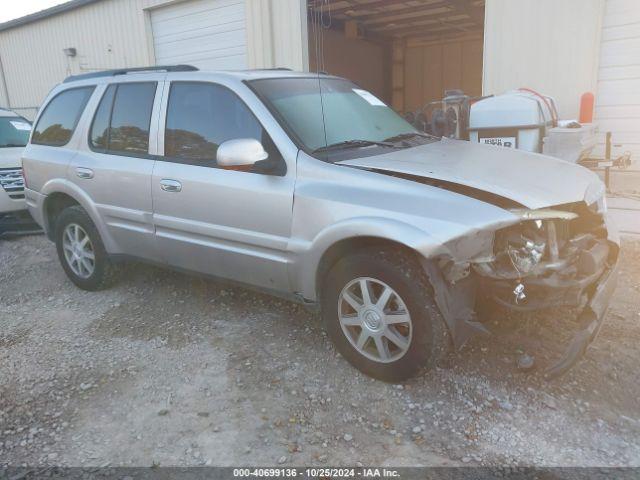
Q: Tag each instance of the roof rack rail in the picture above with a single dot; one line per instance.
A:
(270, 69)
(124, 71)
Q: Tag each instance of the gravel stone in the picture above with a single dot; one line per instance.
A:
(127, 376)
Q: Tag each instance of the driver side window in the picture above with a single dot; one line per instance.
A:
(201, 116)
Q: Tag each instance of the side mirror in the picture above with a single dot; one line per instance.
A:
(241, 152)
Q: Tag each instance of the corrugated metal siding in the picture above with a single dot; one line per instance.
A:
(618, 94)
(290, 41)
(549, 45)
(205, 33)
(118, 33)
(277, 34)
(106, 34)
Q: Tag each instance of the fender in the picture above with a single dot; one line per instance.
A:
(308, 254)
(61, 185)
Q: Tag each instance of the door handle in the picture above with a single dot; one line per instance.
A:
(84, 172)
(169, 185)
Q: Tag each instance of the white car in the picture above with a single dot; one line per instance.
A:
(14, 136)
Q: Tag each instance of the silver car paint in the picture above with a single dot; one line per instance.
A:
(119, 186)
(533, 180)
(335, 203)
(227, 223)
(273, 231)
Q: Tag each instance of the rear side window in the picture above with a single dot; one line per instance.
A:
(60, 117)
(200, 116)
(121, 123)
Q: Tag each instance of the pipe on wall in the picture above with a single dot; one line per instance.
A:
(5, 90)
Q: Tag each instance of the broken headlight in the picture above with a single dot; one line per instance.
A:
(595, 197)
(520, 247)
(599, 206)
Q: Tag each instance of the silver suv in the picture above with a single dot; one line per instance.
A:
(308, 186)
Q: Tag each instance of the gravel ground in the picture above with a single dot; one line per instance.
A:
(167, 369)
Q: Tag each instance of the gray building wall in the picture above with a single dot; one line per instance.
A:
(117, 34)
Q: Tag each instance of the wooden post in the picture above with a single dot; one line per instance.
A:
(607, 157)
(397, 76)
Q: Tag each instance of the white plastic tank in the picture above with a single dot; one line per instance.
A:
(571, 143)
(516, 119)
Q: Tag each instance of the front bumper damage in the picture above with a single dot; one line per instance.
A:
(591, 319)
(568, 260)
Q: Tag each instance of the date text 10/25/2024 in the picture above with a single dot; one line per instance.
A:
(292, 472)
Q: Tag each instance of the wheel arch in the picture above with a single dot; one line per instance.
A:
(53, 206)
(348, 246)
(61, 194)
(343, 238)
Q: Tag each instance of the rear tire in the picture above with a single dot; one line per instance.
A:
(81, 251)
(396, 349)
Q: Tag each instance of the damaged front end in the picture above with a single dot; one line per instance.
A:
(560, 257)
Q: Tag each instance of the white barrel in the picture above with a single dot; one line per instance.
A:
(516, 119)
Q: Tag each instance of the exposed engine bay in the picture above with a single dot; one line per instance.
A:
(558, 257)
(548, 260)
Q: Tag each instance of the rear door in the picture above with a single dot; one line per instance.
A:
(228, 223)
(114, 165)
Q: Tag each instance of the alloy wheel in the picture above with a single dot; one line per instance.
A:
(375, 319)
(78, 250)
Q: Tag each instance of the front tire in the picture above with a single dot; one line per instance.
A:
(81, 251)
(378, 309)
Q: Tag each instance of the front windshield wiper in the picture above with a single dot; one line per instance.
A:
(353, 144)
(10, 145)
(408, 135)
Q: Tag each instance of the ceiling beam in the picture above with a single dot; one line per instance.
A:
(443, 35)
(476, 13)
(419, 21)
(430, 30)
(369, 35)
(399, 11)
(473, 8)
(411, 20)
(442, 12)
(355, 6)
(439, 39)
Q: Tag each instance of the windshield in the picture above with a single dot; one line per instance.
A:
(354, 119)
(14, 132)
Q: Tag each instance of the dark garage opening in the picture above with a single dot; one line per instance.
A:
(407, 52)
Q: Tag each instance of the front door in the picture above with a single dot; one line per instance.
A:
(228, 223)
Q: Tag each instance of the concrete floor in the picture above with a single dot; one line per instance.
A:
(626, 212)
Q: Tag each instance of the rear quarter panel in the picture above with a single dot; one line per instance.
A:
(46, 167)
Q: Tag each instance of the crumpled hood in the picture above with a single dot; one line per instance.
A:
(533, 180)
(10, 157)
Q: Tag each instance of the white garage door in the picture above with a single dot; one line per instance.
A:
(210, 34)
(618, 96)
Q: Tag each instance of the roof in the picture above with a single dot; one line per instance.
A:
(93, 77)
(49, 12)
(256, 74)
